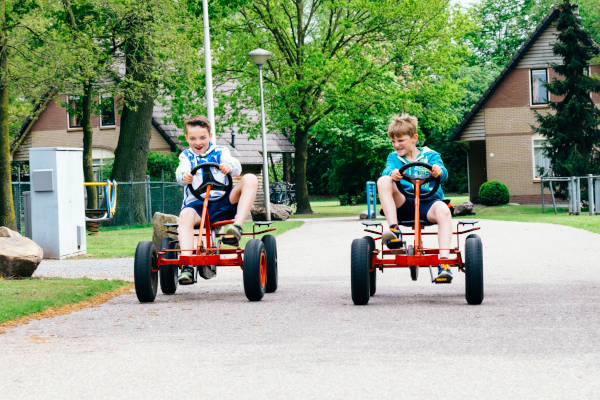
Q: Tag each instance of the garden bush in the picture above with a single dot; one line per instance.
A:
(493, 193)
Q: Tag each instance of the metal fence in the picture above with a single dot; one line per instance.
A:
(154, 196)
(574, 190)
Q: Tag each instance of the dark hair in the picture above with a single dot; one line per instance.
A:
(199, 120)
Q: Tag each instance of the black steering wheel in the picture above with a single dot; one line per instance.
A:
(209, 179)
(412, 179)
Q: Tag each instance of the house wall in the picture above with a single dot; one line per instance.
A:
(51, 130)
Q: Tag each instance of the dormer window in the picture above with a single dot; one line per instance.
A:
(74, 112)
(539, 92)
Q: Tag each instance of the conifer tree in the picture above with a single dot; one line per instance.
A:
(572, 127)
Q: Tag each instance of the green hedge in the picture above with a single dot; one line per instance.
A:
(493, 193)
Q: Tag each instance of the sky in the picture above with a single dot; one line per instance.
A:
(464, 3)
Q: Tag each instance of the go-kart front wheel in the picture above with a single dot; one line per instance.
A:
(168, 274)
(255, 270)
(360, 260)
(271, 250)
(473, 269)
(144, 272)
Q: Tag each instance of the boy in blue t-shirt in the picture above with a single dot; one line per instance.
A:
(403, 133)
(235, 206)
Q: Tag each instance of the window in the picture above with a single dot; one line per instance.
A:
(107, 108)
(541, 162)
(74, 112)
(539, 92)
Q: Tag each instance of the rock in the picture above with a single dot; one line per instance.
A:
(365, 214)
(466, 208)
(279, 212)
(159, 231)
(19, 256)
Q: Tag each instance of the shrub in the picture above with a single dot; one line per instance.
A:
(493, 193)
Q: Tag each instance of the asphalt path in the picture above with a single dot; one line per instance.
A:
(536, 335)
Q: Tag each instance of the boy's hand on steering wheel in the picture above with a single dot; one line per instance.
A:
(224, 168)
(436, 171)
(396, 175)
(188, 178)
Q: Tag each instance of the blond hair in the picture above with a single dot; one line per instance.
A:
(402, 125)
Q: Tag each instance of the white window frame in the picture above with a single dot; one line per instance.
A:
(531, 104)
(104, 95)
(535, 138)
(69, 127)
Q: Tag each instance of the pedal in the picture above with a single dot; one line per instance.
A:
(230, 240)
(394, 243)
(442, 279)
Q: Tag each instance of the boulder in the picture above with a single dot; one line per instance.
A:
(279, 212)
(365, 214)
(159, 230)
(19, 256)
(466, 208)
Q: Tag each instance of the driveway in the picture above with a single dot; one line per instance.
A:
(536, 335)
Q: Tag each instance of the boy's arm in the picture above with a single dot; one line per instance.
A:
(183, 167)
(436, 159)
(389, 165)
(234, 163)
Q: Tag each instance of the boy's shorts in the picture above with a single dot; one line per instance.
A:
(406, 212)
(217, 210)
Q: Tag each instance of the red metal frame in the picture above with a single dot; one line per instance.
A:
(208, 255)
(423, 257)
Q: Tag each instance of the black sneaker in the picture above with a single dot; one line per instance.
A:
(207, 271)
(232, 235)
(187, 276)
(393, 237)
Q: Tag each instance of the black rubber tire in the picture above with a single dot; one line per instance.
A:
(372, 274)
(473, 269)
(146, 281)
(168, 274)
(359, 271)
(271, 249)
(254, 287)
(414, 270)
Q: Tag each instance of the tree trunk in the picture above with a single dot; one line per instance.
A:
(287, 167)
(88, 170)
(301, 143)
(131, 154)
(7, 210)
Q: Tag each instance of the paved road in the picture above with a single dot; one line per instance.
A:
(536, 336)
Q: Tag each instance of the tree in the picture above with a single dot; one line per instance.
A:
(572, 127)
(325, 52)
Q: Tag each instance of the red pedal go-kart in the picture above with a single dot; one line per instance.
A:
(366, 258)
(258, 260)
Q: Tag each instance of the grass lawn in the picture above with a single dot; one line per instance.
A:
(115, 242)
(21, 297)
(330, 207)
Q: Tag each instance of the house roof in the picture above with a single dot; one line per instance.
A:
(456, 135)
(247, 150)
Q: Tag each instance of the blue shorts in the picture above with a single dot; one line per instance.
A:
(406, 212)
(217, 210)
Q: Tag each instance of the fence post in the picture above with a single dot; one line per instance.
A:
(148, 196)
(17, 204)
(597, 194)
(542, 191)
(578, 180)
(162, 190)
(591, 194)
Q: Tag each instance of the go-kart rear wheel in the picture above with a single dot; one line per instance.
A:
(168, 274)
(359, 271)
(146, 280)
(255, 270)
(473, 269)
(271, 249)
(372, 274)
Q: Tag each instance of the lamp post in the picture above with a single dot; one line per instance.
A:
(260, 56)
(210, 107)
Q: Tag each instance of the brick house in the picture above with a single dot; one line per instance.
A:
(55, 126)
(502, 143)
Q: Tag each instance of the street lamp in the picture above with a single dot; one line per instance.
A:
(260, 56)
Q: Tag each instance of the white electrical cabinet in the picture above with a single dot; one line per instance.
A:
(57, 201)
